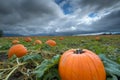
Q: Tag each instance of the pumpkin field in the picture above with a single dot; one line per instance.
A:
(39, 57)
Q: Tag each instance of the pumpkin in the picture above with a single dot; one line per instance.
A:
(15, 42)
(19, 50)
(97, 38)
(37, 42)
(17, 38)
(61, 38)
(51, 43)
(28, 39)
(81, 65)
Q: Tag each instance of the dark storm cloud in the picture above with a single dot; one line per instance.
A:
(93, 4)
(107, 12)
(110, 22)
(19, 12)
(12, 11)
(30, 17)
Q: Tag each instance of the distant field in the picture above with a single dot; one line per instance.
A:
(104, 44)
(107, 44)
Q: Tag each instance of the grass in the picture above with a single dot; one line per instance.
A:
(107, 44)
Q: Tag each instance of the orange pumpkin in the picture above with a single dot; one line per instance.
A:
(19, 50)
(17, 38)
(28, 39)
(15, 42)
(37, 42)
(51, 43)
(61, 38)
(81, 65)
(97, 38)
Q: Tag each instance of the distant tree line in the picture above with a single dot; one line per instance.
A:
(1, 33)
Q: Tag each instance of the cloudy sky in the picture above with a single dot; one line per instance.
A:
(59, 17)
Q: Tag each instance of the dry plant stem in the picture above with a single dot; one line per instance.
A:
(17, 59)
(10, 73)
(35, 62)
(14, 68)
(5, 69)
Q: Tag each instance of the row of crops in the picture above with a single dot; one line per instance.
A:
(42, 55)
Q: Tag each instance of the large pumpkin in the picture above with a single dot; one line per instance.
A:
(19, 50)
(81, 65)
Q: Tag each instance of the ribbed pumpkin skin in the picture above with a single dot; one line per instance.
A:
(19, 50)
(85, 66)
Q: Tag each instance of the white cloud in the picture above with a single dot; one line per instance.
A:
(41, 16)
(65, 29)
(29, 16)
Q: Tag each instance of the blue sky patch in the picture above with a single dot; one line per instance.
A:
(59, 1)
(67, 8)
(92, 15)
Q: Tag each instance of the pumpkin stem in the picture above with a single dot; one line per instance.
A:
(17, 59)
(79, 51)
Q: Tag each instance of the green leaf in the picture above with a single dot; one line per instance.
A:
(5, 46)
(46, 47)
(113, 77)
(46, 65)
(32, 57)
(112, 68)
(105, 59)
(52, 74)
